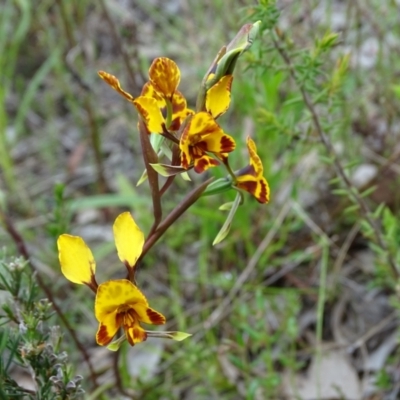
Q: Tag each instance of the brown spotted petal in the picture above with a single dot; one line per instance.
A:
(164, 74)
(114, 83)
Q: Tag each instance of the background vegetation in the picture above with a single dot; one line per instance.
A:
(300, 300)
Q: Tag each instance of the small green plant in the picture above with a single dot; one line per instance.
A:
(29, 342)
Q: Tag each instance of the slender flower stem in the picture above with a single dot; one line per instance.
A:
(131, 68)
(229, 169)
(188, 201)
(150, 157)
(169, 113)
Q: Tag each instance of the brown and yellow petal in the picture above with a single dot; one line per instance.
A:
(149, 110)
(114, 83)
(135, 334)
(203, 163)
(218, 97)
(179, 111)
(149, 316)
(164, 74)
(184, 143)
(129, 239)
(200, 125)
(255, 160)
(108, 327)
(149, 90)
(259, 188)
(251, 177)
(116, 294)
(76, 259)
(219, 142)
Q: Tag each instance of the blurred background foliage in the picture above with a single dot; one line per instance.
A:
(302, 288)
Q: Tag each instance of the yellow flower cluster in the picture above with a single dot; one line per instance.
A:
(201, 140)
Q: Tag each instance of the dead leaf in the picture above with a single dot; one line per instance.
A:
(330, 378)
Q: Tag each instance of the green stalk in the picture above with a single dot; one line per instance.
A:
(321, 307)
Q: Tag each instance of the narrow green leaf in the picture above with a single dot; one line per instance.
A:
(226, 206)
(219, 186)
(222, 234)
(168, 170)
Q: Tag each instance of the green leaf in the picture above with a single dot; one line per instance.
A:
(219, 186)
(168, 170)
(179, 336)
(142, 178)
(116, 344)
(368, 191)
(223, 233)
(226, 206)
(174, 335)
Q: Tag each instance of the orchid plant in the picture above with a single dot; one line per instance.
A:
(188, 139)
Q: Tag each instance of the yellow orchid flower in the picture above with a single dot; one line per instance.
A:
(161, 104)
(157, 96)
(203, 135)
(118, 303)
(251, 178)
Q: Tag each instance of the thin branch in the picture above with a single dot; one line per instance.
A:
(189, 200)
(133, 72)
(332, 153)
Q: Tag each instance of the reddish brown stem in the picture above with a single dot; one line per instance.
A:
(189, 200)
(150, 157)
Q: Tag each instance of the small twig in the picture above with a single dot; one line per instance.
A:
(22, 249)
(175, 161)
(344, 250)
(338, 166)
(132, 71)
(118, 379)
(96, 142)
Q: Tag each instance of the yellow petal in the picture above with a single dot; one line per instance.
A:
(117, 295)
(164, 74)
(129, 239)
(219, 96)
(114, 83)
(76, 259)
(148, 108)
(108, 327)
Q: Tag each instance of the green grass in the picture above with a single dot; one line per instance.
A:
(61, 125)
